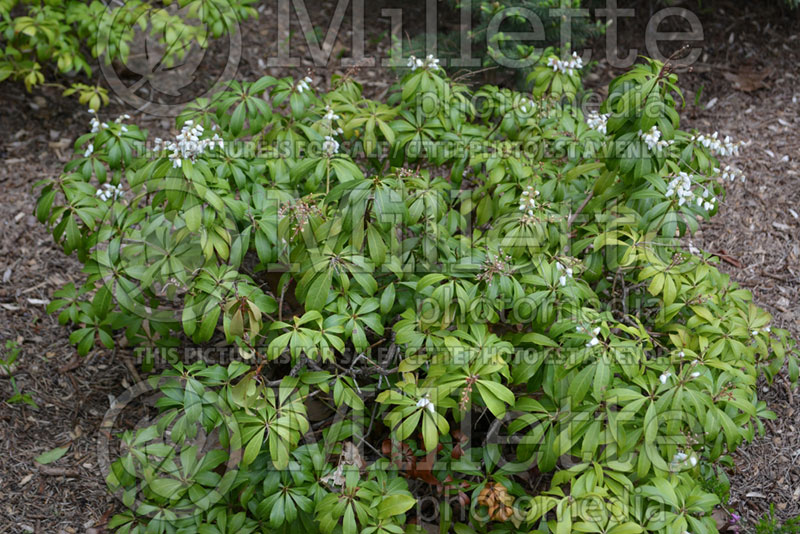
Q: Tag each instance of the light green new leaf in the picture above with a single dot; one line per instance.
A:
(52, 455)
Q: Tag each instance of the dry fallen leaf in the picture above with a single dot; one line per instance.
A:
(349, 456)
(720, 517)
(749, 79)
(495, 496)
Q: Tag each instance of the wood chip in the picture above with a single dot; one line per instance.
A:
(58, 471)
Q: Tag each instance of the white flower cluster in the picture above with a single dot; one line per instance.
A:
(567, 274)
(330, 116)
(597, 121)
(567, 66)
(524, 103)
(767, 329)
(187, 144)
(121, 118)
(693, 364)
(730, 173)
(429, 62)
(527, 202)
(681, 458)
(89, 150)
(96, 125)
(110, 192)
(425, 403)
(666, 374)
(595, 340)
(681, 186)
(302, 85)
(330, 146)
(718, 147)
(652, 139)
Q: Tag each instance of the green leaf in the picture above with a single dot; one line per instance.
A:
(165, 487)
(377, 248)
(651, 423)
(396, 504)
(52, 455)
(253, 447)
(538, 339)
(317, 294)
(580, 385)
(626, 528)
(194, 217)
(494, 404)
(429, 279)
(387, 299)
(237, 119)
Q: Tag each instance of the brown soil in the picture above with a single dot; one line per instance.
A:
(757, 232)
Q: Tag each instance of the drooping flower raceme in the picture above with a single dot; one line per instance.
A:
(415, 63)
(568, 66)
(652, 138)
(718, 147)
(730, 173)
(681, 459)
(562, 279)
(681, 187)
(96, 125)
(429, 62)
(597, 121)
(119, 120)
(302, 85)
(330, 116)
(426, 404)
(188, 145)
(527, 202)
(109, 192)
(595, 340)
(330, 146)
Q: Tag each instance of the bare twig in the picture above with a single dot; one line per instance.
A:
(579, 210)
(58, 471)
